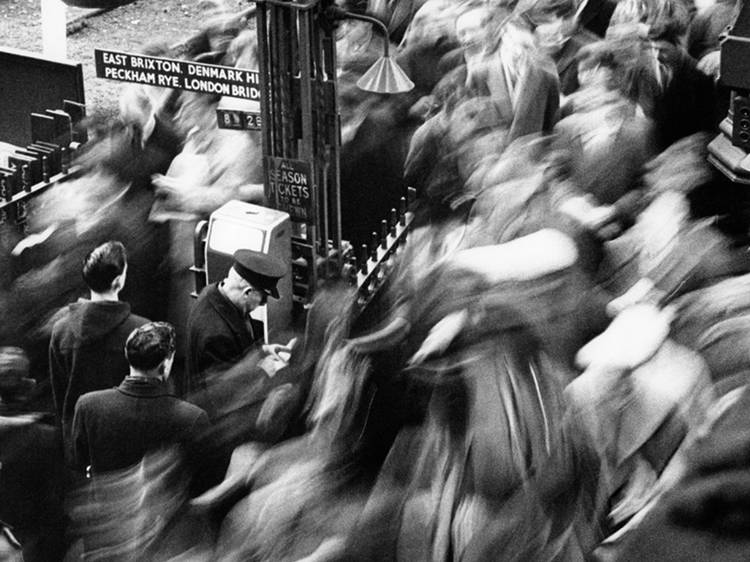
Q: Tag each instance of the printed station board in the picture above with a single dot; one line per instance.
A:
(179, 74)
(290, 182)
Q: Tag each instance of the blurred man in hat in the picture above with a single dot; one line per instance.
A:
(30, 465)
(220, 329)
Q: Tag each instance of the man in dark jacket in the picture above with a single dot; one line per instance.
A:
(85, 352)
(138, 440)
(114, 429)
(220, 328)
(594, 15)
(31, 485)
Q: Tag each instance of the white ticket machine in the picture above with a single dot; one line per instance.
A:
(244, 226)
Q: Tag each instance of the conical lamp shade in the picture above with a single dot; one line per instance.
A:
(385, 77)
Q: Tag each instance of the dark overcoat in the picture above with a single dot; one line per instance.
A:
(115, 428)
(218, 337)
(31, 483)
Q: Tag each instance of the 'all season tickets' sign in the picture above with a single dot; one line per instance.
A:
(179, 74)
(291, 186)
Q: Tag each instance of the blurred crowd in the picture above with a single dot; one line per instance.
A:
(553, 371)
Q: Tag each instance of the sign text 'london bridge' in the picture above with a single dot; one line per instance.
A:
(179, 74)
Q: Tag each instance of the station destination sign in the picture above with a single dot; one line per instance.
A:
(179, 74)
(291, 186)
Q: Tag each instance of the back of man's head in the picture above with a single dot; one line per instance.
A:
(103, 264)
(150, 344)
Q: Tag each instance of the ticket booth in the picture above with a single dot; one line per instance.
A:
(238, 226)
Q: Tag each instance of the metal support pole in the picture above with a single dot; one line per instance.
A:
(300, 114)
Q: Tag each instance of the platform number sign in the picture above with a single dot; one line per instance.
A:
(238, 120)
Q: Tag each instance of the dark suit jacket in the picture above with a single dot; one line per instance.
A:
(113, 429)
(686, 105)
(538, 101)
(596, 14)
(218, 337)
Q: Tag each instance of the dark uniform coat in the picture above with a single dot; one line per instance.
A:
(113, 429)
(87, 352)
(218, 337)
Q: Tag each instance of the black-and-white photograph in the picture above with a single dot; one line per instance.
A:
(374, 280)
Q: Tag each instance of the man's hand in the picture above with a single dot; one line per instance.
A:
(279, 351)
(596, 218)
(440, 337)
(710, 64)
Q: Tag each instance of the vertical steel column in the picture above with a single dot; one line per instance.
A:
(321, 153)
(330, 124)
(316, 235)
(266, 103)
(300, 116)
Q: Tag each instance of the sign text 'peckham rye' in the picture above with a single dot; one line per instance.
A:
(179, 74)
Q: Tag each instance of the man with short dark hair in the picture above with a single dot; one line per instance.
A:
(85, 352)
(114, 429)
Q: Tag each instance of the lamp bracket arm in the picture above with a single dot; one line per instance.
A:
(336, 13)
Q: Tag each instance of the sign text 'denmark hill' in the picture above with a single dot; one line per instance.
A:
(179, 74)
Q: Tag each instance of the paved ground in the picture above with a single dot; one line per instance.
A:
(125, 29)
(74, 14)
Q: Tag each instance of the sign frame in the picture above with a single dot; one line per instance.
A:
(180, 74)
(238, 120)
(295, 193)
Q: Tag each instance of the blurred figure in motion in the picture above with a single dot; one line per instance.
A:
(606, 138)
(486, 471)
(556, 29)
(138, 513)
(705, 31)
(666, 82)
(705, 515)
(639, 397)
(671, 256)
(303, 490)
(85, 351)
(594, 15)
(31, 462)
(506, 70)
